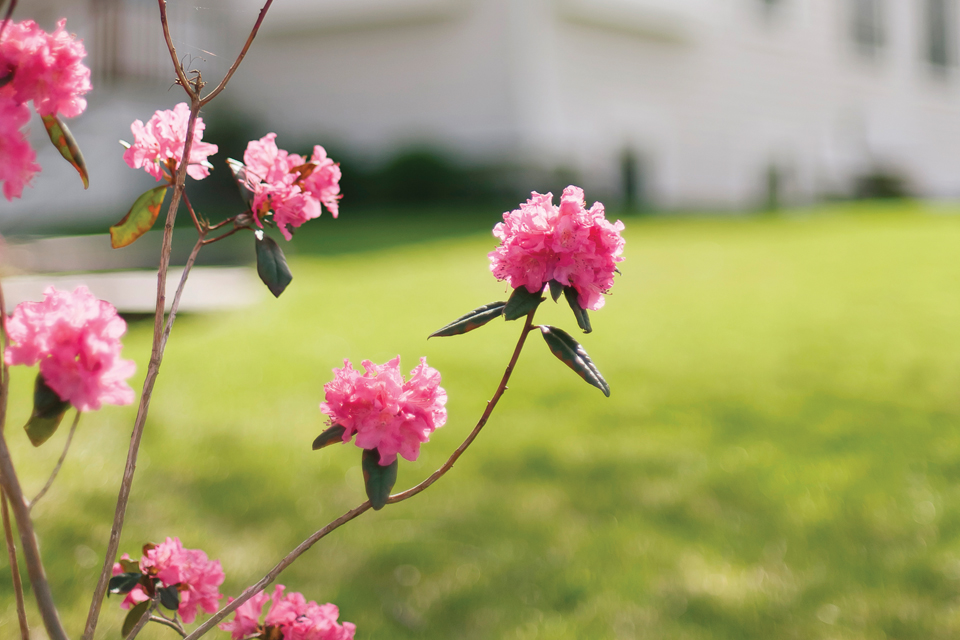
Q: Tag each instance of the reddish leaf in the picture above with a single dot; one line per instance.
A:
(139, 219)
(66, 144)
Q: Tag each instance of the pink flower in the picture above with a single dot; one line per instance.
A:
(197, 578)
(76, 340)
(288, 185)
(47, 68)
(573, 245)
(291, 615)
(158, 144)
(385, 412)
(17, 157)
(246, 618)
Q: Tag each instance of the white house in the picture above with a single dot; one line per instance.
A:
(703, 103)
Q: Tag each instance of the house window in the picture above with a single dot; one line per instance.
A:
(940, 35)
(867, 25)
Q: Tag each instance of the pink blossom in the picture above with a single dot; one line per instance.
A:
(573, 245)
(47, 68)
(17, 157)
(385, 412)
(76, 340)
(298, 619)
(246, 618)
(158, 144)
(288, 185)
(197, 578)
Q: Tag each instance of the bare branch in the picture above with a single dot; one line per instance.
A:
(63, 456)
(14, 569)
(243, 52)
(271, 575)
(8, 16)
(176, 626)
(181, 76)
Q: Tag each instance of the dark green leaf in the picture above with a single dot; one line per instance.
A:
(139, 219)
(378, 480)
(333, 435)
(272, 265)
(133, 618)
(66, 144)
(556, 290)
(583, 320)
(124, 583)
(48, 412)
(521, 303)
(572, 354)
(473, 320)
(170, 597)
(240, 176)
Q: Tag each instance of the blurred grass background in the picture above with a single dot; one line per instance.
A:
(780, 457)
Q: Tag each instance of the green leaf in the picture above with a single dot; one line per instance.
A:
(333, 435)
(139, 219)
(556, 290)
(134, 617)
(66, 144)
(521, 303)
(583, 320)
(473, 320)
(170, 597)
(130, 566)
(124, 583)
(572, 354)
(48, 412)
(239, 172)
(271, 264)
(378, 480)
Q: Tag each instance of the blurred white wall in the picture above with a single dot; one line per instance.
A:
(711, 97)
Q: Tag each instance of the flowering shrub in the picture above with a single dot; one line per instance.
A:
(386, 413)
(191, 580)
(158, 144)
(290, 618)
(45, 68)
(289, 185)
(76, 340)
(572, 245)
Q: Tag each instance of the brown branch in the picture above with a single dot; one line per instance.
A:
(243, 52)
(167, 622)
(271, 575)
(56, 469)
(193, 214)
(7, 17)
(14, 569)
(159, 342)
(181, 76)
(142, 622)
(224, 235)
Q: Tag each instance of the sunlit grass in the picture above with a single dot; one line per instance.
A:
(779, 458)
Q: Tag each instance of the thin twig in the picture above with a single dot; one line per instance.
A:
(193, 214)
(224, 235)
(181, 76)
(167, 622)
(156, 357)
(56, 469)
(142, 622)
(8, 16)
(176, 297)
(14, 569)
(271, 575)
(222, 223)
(243, 52)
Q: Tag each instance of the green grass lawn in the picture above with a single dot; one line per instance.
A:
(780, 456)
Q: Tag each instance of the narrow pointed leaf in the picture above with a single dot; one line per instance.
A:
(333, 435)
(66, 144)
(583, 320)
(556, 290)
(170, 597)
(139, 219)
(272, 265)
(521, 303)
(378, 480)
(573, 355)
(239, 172)
(133, 618)
(124, 583)
(473, 320)
(48, 412)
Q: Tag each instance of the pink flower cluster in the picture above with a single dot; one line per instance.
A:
(158, 145)
(291, 615)
(198, 579)
(45, 68)
(76, 340)
(385, 412)
(290, 185)
(571, 244)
